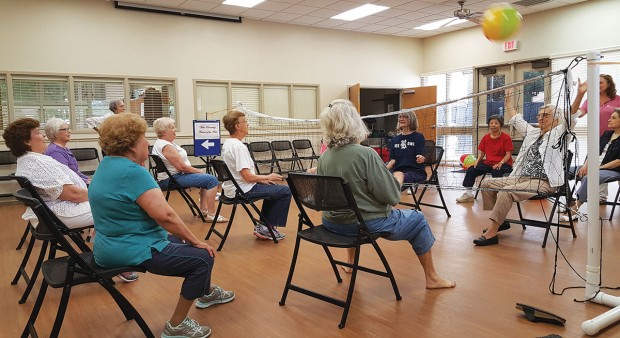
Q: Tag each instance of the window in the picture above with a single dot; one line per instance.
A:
(41, 98)
(454, 120)
(581, 72)
(4, 105)
(214, 99)
(92, 97)
(151, 99)
(75, 98)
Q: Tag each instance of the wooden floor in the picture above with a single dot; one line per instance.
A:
(490, 280)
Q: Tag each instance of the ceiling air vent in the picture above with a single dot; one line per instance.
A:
(528, 3)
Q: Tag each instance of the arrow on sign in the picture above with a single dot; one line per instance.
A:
(208, 144)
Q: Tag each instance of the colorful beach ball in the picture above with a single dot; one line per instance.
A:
(467, 160)
(500, 22)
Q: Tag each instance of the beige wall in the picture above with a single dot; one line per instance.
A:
(565, 30)
(92, 37)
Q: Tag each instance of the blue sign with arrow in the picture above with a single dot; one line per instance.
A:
(207, 138)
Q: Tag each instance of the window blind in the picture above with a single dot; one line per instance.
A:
(151, 99)
(92, 98)
(248, 95)
(304, 102)
(4, 106)
(276, 100)
(41, 98)
(211, 101)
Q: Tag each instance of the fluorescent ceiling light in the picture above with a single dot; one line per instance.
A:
(242, 3)
(360, 12)
(440, 24)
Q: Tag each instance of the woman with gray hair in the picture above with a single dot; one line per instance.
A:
(59, 134)
(175, 159)
(407, 150)
(539, 168)
(375, 189)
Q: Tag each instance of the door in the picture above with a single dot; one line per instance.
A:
(354, 95)
(427, 118)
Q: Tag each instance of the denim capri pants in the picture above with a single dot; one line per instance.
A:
(183, 260)
(203, 181)
(401, 224)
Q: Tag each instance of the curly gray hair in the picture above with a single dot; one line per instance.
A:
(342, 125)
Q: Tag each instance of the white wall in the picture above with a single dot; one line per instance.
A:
(92, 37)
(574, 28)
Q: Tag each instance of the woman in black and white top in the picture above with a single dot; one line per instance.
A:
(609, 156)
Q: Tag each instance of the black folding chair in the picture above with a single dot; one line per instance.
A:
(37, 234)
(189, 148)
(516, 145)
(223, 175)
(285, 156)
(74, 269)
(327, 193)
(304, 152)
(7, 159)
(433, 157)
(263, 156)
(173, 185)
(562, 191)
(84, 155)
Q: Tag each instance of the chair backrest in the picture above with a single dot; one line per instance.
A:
(85, 154)
(282, 145)
(322, 193)
(433, 155)
(160, 167)
(223, 174)
(189, 148)
(516, 146)
(6, 158)
(304, 144)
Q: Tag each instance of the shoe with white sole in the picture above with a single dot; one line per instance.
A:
(466, 198)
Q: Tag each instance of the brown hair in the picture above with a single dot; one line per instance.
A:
(231, 119)
(611, 88)
(120, 132)
(18, 133)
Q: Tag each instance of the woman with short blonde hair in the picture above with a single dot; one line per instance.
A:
(136, 226)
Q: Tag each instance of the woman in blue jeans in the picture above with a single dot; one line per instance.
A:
(375, 189)
(175, 159)
(136, 226)
(276, 198)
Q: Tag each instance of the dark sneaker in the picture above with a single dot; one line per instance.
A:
(128, 277)
(262, 232)
(502, 227)
(188, 328)
(217, 296)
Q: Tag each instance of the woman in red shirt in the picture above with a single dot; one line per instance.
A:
(496, 146)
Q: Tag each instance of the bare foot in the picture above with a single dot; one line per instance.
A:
(440, 283)
(346, 269)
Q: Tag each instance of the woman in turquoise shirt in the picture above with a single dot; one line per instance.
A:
(133, 222)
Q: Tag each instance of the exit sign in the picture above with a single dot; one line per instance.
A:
(511, 45)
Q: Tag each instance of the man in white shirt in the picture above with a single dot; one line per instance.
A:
(116, 107)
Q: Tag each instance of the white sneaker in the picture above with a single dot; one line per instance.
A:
(565, 218)
(408, 191)
(467, 197)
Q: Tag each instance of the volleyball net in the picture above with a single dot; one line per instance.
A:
(456, 125)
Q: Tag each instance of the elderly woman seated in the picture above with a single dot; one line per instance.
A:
(539, 168)
(175, 159)
(408, 149)
(63, 191)
(133, 220)
(375, 189)
(59, 134)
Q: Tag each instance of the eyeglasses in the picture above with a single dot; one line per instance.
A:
(64, 129)
(542, 115)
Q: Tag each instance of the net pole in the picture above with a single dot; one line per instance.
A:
(593, 269)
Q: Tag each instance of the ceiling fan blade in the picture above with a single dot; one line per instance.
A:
(475, 17)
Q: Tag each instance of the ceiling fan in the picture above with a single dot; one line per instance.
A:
(465, 14)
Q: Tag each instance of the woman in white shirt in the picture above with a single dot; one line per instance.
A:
(175, 159)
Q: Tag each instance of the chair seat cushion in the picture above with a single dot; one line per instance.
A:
(320, 235)
(55, 271)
